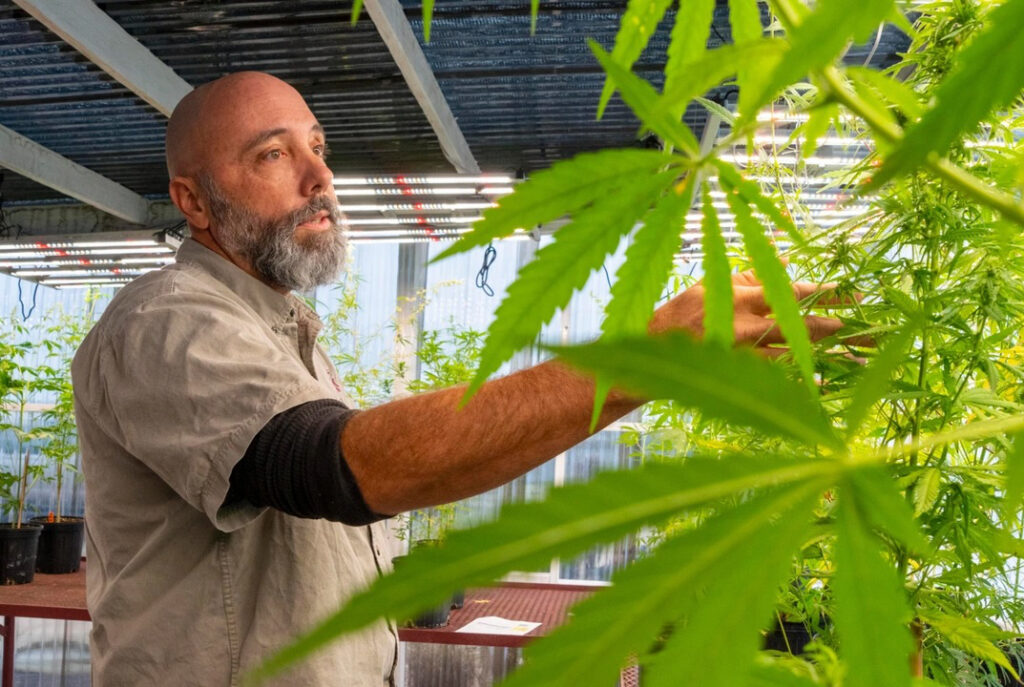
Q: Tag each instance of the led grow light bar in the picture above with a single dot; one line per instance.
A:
(87, 259)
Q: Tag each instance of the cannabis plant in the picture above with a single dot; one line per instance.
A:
(888, 494)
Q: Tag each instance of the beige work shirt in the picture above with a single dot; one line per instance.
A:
(183, 369)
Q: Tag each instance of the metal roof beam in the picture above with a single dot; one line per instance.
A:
(394, 28)
(28, 158)
(94, 34)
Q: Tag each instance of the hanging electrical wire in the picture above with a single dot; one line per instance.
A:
(481, 277)
(21, 301)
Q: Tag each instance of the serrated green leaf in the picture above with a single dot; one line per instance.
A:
(643, 100)
(602, 387)
(714, 108)
(818, 40)
(560, 268)
(636, 28)
(683, 573)
(868, 594)
(718, 308)
(566, 187)
(973, 637)
(874, 383)
(772, 674)
(971, 91)
(778, 290)
(571, 520)
(640, 280)
(907, 305)
(1015, 475)
(926, 490)
(731, 384)
(751, 192)
(357, 9)
(697, 78)
(534, 11)
(428, 18)
(733, 599)
(896, 92)
(818, 121)
(884, 508)
(689, 40)
(745, 18)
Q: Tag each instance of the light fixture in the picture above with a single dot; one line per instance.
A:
(80, 260)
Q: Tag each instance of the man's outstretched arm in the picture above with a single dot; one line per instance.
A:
(423, 450)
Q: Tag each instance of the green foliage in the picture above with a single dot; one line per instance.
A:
(871, 609)
(638, 283)
(564, 266)
(567, 187)
(669, 590)
(817, 40)
(718, 309)
(572, 519)
(689, 38)
(635, 30)
(733, 385)
(883, 509)
(983, 80)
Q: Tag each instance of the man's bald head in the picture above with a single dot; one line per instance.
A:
(202, 118)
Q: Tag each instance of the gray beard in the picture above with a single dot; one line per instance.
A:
(270, 246)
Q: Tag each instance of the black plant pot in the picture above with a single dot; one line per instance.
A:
(788, 637)
(18, 547)
(60, 545)
(435, 617)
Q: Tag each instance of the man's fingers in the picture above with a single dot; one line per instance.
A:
(820, 327)
(824, 295)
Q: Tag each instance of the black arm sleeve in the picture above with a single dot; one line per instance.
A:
(295, 465)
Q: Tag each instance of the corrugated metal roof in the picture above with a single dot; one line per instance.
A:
(522, 101)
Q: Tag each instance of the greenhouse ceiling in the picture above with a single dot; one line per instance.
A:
(85, 91)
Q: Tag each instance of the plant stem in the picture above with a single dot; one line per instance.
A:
(962, 180)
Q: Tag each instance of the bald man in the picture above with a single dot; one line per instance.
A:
(235, 497)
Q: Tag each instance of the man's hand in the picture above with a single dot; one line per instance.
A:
(752, 326)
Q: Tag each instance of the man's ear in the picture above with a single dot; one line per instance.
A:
(185, 194)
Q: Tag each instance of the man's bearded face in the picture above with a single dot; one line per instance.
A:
(272, 246)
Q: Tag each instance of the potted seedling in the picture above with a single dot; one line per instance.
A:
(18, 540)
(60, 545)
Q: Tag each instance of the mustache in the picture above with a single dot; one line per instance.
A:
(309, 211)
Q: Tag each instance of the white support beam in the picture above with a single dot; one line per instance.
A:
(93, 33)
(394, 28)
(28, 158)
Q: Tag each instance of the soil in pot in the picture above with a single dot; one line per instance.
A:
(60, 545)
(789, 637)
(18, 547)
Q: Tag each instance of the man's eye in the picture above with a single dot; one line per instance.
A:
(272, 155)
(322, 149)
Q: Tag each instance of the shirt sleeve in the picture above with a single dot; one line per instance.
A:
(190, 379)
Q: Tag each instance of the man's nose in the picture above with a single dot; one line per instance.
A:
(318, 178)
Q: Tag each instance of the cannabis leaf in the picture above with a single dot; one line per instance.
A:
(718, 308)
(572, 519)
(734, 385)
(565, 188)
(560, 268)
(973, 90)
(868, 594)
(689, 40)
(688, 577)
(636, 28)
(643, 100)
(778, 290)
(815, 42)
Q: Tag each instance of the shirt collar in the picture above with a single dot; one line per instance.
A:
(272, 306)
